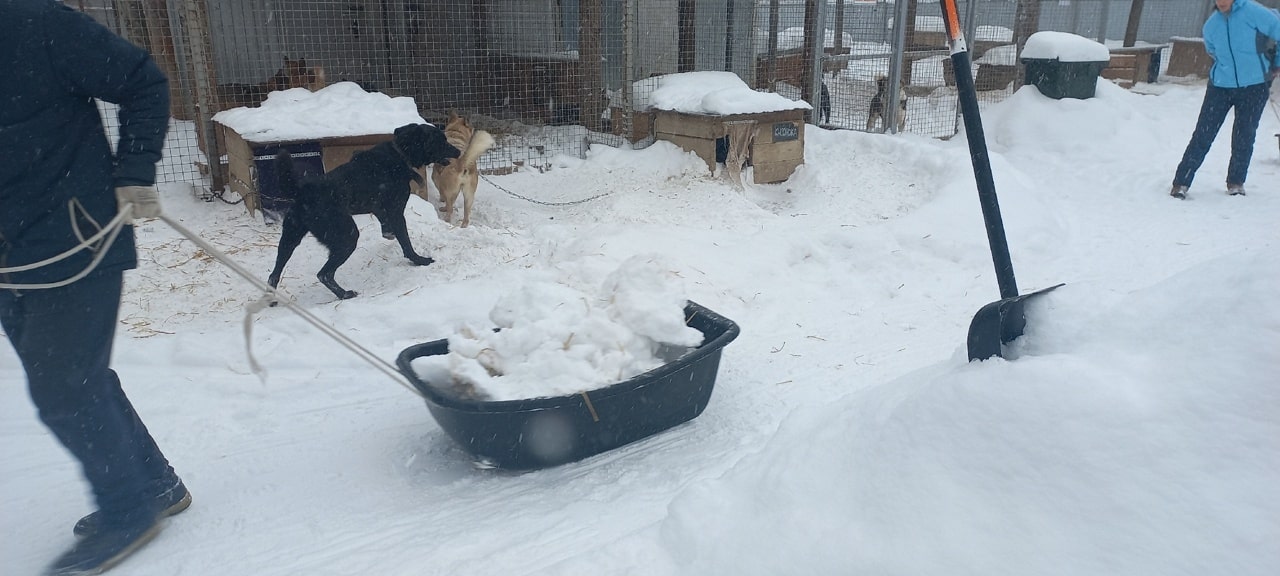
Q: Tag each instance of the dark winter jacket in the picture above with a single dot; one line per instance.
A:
(1233, 40)
(55, 162)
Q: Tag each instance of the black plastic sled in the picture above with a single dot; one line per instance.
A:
(542, 432)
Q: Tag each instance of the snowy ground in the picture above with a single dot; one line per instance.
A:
(1137, 432)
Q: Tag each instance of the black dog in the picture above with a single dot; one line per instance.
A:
(375, 181)
(824, 105)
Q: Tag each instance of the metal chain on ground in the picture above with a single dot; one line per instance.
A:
(544, 203)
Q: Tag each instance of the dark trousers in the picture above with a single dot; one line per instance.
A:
(63, 337)
(1249, 102)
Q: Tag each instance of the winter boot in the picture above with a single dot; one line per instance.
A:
(113, 541)
(1235, 189)
(1179, 192)
(169, 502)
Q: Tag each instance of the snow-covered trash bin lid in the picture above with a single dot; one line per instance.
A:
(1064, 47)
(1062, 65)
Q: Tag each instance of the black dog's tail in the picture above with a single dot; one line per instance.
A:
(286, 179)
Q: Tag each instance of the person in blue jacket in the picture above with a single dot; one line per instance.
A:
(60, 184)
(1241, 76)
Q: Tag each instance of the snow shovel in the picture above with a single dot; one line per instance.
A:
(999, 322)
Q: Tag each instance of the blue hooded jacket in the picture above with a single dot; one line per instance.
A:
(57, 171)
(1232, 40)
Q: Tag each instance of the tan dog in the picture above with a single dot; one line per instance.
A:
(461, 175)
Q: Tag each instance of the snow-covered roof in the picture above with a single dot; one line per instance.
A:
(716, 93)
(341, 109)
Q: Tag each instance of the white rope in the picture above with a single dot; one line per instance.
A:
(110, 231)
(269, 296)
(123, 218)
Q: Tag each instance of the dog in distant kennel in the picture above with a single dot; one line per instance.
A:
(878, 112)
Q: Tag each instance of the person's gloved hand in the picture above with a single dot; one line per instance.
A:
(145, 200)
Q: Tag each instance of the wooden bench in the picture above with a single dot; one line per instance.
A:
(1133, 64)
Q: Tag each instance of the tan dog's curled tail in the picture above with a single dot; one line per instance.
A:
(480, 143)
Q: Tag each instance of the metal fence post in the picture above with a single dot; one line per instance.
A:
(1103, 17)
(772, 79)
(198, 36)
(628, 70)
(1135, 19)
(819, 40)
(896, 65)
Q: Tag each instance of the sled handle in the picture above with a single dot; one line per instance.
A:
(269, 294)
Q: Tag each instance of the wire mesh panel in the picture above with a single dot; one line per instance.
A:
(530, 72)
(547, 77)
(148, 24)
(1108, 21)
(657, 37)
(885, 68)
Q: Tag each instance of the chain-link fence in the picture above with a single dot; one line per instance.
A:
(549, 77)
(863, 45)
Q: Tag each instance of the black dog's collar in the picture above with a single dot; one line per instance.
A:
(396, 146)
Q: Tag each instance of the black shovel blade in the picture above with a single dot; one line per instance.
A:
(997, 324)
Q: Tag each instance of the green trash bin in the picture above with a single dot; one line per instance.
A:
(1058, 80)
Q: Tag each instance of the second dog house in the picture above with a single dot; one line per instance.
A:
(774, 140)
(719, 118)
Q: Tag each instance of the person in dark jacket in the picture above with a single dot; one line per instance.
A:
(1240, 78)
(60, 185)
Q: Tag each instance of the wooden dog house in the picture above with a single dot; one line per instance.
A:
(1133, 64)
(251, 165)
(321, 130)
(1188, 57)
(775, 140)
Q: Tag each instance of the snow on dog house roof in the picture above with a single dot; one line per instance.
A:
(716, 93)
(341, 109)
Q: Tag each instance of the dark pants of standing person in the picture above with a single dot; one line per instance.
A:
(1249, 102)
(63, 337)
